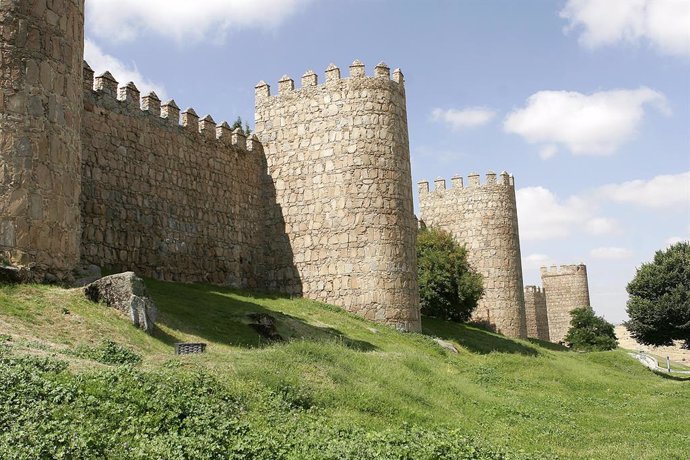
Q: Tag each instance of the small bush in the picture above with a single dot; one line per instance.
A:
(448, 287)
(108, 352)
(589, 332)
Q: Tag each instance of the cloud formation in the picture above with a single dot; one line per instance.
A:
(542, 216)
(536, 261)
(665, 191)
(184, 20)
(586, 124)
(459, 119)
(610, 253)
(662, 23)
(100, 62)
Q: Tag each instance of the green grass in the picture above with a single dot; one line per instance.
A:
(336, 371)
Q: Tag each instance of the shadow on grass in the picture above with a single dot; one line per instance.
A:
(218, 315)
(549, 345)
(676, 377)
(474, 339)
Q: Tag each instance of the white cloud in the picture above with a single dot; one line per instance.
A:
(458, 119)
(543, 216)
(594, 124)
(100, 62)
(675, 239)
(610, 253)
(535, 261)
(548, 151)
(663, 23)
(602, 226)
(123, 20)
(666, 191)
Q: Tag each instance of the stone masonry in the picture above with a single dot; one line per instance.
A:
(339, 160)
(41, 52)
(318, 203)
(566, 289)
(483, 217)
(536, 314)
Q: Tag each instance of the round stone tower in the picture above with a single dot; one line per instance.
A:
(42, 44)
(566, 288)
(342, 229)
(483, 217)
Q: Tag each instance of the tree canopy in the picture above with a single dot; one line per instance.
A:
(659, 303)
(589, 332)
(448, 287)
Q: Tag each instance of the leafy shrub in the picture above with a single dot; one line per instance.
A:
(589, 332)
(108, 352)
(448, 287)
(659, 303)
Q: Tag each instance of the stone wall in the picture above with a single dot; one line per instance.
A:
(41, 48)
(536, 314)
(338, 156)
(181, 202)
(566, 289)
(483, 217)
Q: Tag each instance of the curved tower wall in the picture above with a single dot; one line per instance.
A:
(42, 47)
(566, 289)
(483, 217)
(339, 165)
(536, 314)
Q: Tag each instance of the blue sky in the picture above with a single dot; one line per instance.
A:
(585, 102)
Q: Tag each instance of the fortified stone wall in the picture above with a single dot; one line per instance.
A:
(566, 289)
(41, 49)
(338, 155)
(483, 217)
(536, 314)
(180, 202)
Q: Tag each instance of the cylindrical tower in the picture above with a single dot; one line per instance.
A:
(483, 217)
(535, 313)
(42, 46)
(339, 165)
(566, 288)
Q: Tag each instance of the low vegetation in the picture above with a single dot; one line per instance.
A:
(589, 332)
(335, 387)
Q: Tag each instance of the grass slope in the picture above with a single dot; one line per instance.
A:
(345, 378)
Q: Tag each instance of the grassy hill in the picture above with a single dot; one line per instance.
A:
(336, 386)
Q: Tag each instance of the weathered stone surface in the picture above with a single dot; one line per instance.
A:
(566, 288)
(86, 274)
(536, 314)
(339, 163)
(125, 292)
(447, 345)
(13, 275)
(483, 217)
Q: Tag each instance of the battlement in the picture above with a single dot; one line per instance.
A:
(555, 270)
(310, 81)
(127, 99)
(533, 290)
(458, 182)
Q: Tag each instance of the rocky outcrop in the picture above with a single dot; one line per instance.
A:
(127, 293)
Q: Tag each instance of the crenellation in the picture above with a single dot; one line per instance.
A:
(129, 94)
(423, 187)
(105, 83)
(473, 180)
(189, 120)
(224, 133)
(490, 178)
(239, 139)
(207, 127)
(151, 103)
(286, 84)
(309, 79)
(457, 182)
(382, 70)
(171, 112)
(332, 73)
(262, 89)
(357, 69)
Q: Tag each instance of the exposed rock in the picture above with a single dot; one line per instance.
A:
(447, 345)
(127, 293)
(265, 325)
(10, 274)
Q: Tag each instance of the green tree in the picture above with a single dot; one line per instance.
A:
(448, 287)
(589, 332)
(238, 124)
(659, 302)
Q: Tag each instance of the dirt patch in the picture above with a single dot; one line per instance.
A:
(676, 353)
